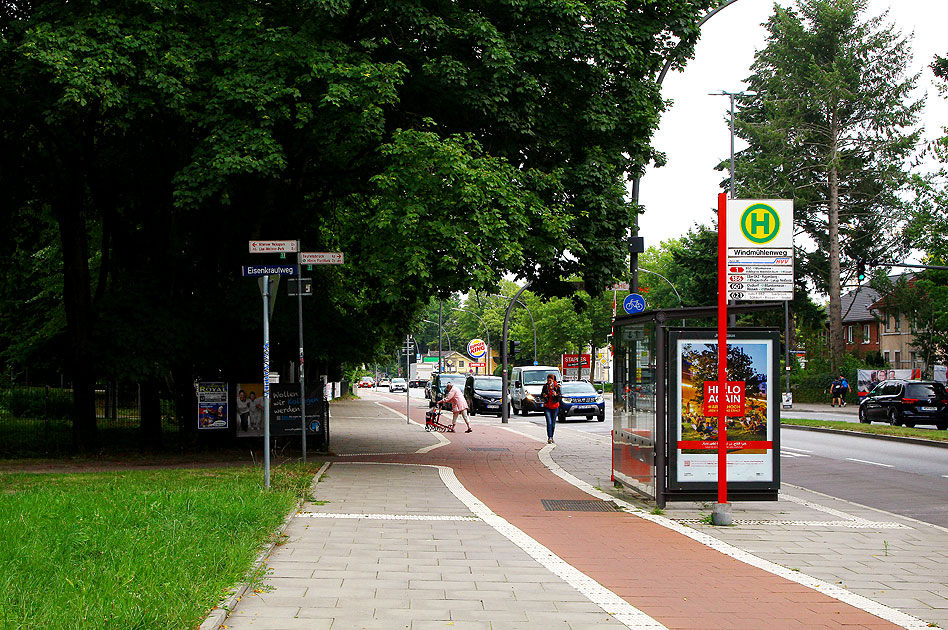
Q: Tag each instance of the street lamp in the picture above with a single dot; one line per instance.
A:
(487, 330)
(731, 95)
(439, 341)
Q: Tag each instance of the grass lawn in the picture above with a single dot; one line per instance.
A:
(134, 549)
(874, 429)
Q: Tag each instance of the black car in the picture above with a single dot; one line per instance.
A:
(898, 401)
(482, 393)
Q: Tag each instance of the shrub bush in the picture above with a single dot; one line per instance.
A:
(35, 402)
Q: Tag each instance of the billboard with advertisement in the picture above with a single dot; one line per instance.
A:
(284, 409)
(212, 406)
(867, 379)
(752, 436)
(576, 366)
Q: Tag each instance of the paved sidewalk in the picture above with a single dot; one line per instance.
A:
(422, 530)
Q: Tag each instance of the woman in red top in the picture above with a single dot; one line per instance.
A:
(551, 404)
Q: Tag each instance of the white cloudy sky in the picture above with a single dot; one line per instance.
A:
(694, 133)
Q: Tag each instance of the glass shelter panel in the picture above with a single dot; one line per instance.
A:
(635, 407)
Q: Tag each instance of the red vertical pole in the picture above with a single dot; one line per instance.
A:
(722, 347)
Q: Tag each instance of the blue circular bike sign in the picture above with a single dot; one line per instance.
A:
(633, 303)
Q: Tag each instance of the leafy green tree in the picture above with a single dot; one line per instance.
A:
(831, 127)
(438, 145)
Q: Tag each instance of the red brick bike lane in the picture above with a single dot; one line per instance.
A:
(676, 580)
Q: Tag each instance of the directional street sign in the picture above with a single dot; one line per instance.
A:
(760, 249)
(269, 270)
(322, 258)
(633, 303)
(272, 247)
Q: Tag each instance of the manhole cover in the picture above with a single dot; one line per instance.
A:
(485, 448)
(587, 505)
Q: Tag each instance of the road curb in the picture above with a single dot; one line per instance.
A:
(891, 438)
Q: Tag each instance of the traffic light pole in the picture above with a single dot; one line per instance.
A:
(504, 394)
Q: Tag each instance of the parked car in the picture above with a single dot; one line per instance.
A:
(580, 398)
(366, 381)
(905, 402)
(439, 382)
(526, 383)
(398, 385)
(482, 393)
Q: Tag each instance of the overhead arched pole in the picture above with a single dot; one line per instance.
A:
(673, 56)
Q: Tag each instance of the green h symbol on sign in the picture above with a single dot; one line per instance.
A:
(760, 223)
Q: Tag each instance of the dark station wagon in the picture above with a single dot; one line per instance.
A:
(903, 402)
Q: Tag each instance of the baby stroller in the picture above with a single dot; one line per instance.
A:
(433, 421)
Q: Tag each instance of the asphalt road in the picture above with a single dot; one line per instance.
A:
(909, 479)
(903, 478)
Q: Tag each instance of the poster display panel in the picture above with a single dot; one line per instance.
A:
(868, 379)
(752, 437)
(212, 406)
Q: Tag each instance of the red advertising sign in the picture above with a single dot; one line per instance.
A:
(733, 399)
(573, 361)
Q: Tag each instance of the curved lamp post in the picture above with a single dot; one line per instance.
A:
(672, 58)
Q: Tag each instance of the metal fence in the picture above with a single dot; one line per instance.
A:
(37, 420)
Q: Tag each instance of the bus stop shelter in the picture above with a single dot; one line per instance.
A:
(659, 442)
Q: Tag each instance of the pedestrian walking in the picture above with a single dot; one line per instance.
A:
(834, 390)
(551, 404)
(843, 390)
(458, 405)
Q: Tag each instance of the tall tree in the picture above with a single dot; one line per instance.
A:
(830, 126)
(437, 144)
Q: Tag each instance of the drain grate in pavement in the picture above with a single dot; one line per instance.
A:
(486, 448)
(585, 505)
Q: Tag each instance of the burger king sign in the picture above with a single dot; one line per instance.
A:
(476, 348)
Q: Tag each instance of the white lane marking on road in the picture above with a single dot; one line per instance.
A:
(832, 590)
(616, 607)
(798, 450)
(863, 461)
(784, 453)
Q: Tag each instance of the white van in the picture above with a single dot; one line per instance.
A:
(526, 383)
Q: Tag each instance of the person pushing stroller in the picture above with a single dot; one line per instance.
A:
(458, 405)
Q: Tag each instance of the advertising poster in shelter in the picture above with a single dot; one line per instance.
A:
(212, 405)
(750, 453)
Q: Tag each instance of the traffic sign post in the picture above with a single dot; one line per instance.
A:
(721, 514)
